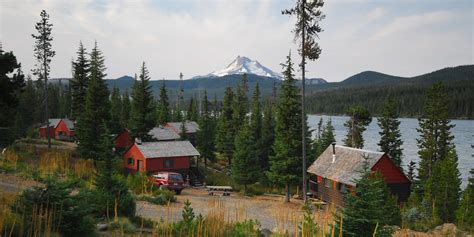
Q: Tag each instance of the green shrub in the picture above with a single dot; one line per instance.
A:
(123, 225)
(159, 197)
(71, 215)
(245, 228)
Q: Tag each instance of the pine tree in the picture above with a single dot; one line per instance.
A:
(285, 165)
(360, 118)
(183, 131)
(205, 134)
(192, 113)
(390, 136)
(225, 129)
(27, 105)
(240, 107)
(465, 212)
(115, 111)
(80, 76)
(268, 136)
(442, 189)
(142, 111)
(163, 107)
(327, 138)
(256, 120)
(96, 110)
(245, 168)
(438, 172)
(306, 30)
(126, 107)
(43, 53)
(371, 205)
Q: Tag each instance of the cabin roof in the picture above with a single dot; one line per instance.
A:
(167, 149)
(191, 126)
(347, 166)
(55, 121)
(163, 134)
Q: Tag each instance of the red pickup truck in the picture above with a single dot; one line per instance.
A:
(170, 180)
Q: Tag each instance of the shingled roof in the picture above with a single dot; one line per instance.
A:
(163, 134)
(54, 123)
(167, 149)
(191, 126)
(347, 166)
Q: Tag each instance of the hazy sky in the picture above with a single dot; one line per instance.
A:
(399, 37)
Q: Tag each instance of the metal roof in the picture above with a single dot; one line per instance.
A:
(167, 149)
(191, 126)
(347, 165)
(163, 134)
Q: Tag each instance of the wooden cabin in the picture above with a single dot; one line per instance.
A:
(334, 172)
(151, 157)
(163, 134)
(59, 129)
(191, 129)
(123, 140)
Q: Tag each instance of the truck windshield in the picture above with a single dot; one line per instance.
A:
(176, 177)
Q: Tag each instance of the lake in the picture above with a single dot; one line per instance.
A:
(463, 139)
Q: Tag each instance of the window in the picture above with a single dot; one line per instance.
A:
(130, 161)
(342, 188)
(168, 163)
(327, 183)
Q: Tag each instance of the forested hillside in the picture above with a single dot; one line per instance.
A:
(369, 89)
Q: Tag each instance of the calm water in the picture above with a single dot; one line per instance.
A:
(463, 138)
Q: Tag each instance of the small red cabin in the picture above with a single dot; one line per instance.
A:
(123, 140)
(59, 129)
(333, 174)
(151, 157)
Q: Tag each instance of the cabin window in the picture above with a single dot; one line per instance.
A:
(130, 161)
(168, 163)
(342, 188)
(327, 183)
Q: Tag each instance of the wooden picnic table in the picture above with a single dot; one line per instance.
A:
(225, 190)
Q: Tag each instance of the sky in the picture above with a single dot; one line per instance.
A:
(196, 37)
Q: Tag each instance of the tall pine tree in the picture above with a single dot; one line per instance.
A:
(80, 76)
(268, 136)
(142, 111)
(225, 127)
(90, 124)
(126, 107)
(115, 111)
(438, 169)
(465, 212)
(43, 53)
(163, 114)
(285, 165)
(256, 120)
(245, 168)
(205, 134)
(360, 118)
(390, 136)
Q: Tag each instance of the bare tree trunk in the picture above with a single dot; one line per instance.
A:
(303, 112)
(46, 112)
(287, 190)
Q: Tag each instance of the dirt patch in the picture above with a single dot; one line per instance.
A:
(270, 211)
(14, 184)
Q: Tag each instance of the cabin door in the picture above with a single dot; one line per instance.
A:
(139, 165)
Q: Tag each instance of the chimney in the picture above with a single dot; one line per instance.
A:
(333, 152)
(138, 141)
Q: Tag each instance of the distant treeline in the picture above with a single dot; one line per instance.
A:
(410, 98)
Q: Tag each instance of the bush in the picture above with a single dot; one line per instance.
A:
(113, 195)
(159, 197)
(70, 215)
(123, 225)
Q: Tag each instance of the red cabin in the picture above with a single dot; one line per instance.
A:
(191, 129)
(332, 175)
(151, 157)
(123, 140)
(59, 129)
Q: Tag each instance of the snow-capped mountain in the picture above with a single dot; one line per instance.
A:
(242, 65)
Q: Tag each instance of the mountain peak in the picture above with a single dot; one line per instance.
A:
(241, 65)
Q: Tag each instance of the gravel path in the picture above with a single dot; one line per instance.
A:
(271, 212)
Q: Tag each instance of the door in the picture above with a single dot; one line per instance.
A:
(139, 165)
